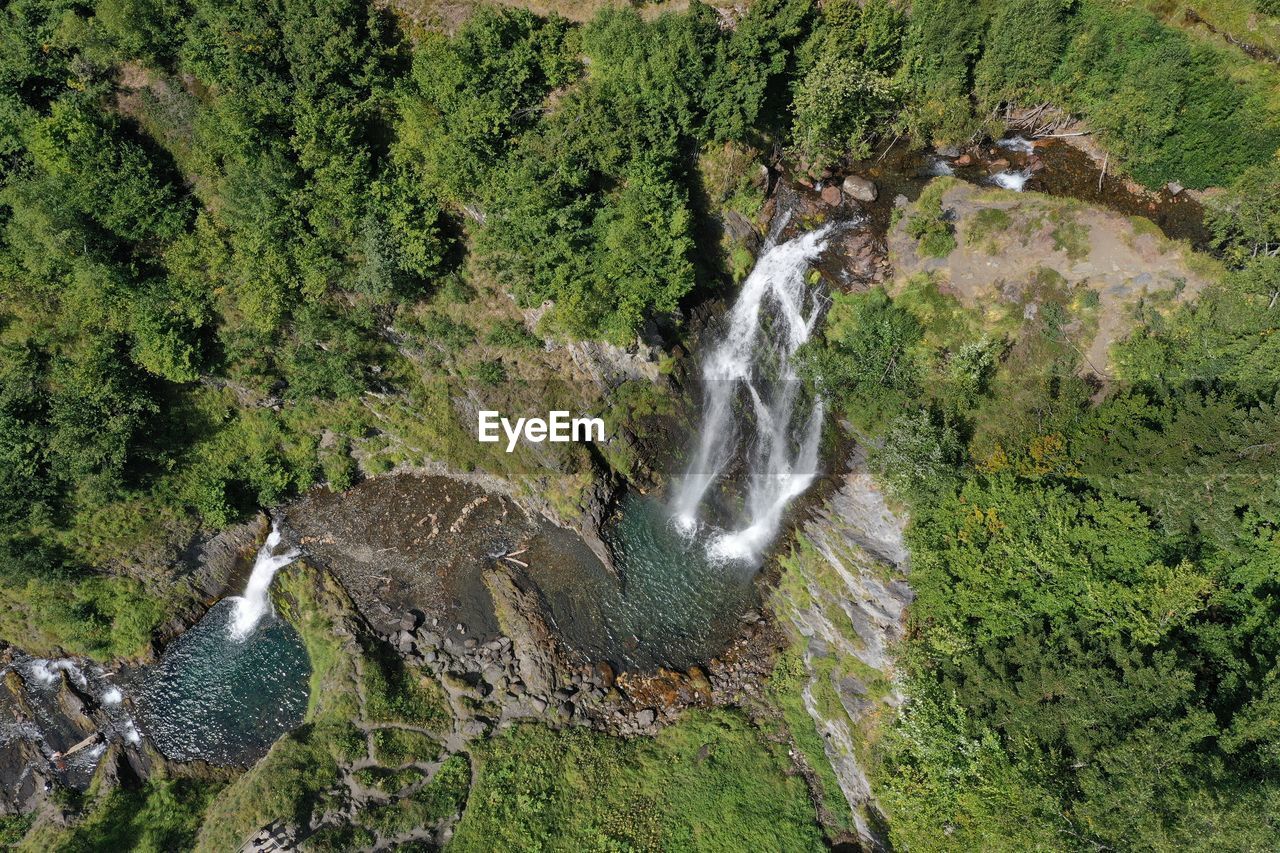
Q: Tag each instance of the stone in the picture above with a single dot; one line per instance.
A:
(469, 643)
(646, 717)
(1174, 188)
(538, 704)
(860, 188)
(964, 160)
(949, 151)
(565, 711)
(831, 195)
(604, 675)
(411, 620)
(998, 165)
(518, 688)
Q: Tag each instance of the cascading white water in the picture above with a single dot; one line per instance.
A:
(774, 315)
(253, 604)
(1012, 180)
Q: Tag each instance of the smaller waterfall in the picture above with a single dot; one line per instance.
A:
(254, 604)
(774, 315)
(1012, 180)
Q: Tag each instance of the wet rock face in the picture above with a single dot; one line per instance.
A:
(63, 723)
(846, 598)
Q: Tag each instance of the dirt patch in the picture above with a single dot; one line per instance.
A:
(1012, 248)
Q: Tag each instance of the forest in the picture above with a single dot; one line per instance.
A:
(223, 223)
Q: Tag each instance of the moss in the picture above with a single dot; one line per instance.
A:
(986, 226)
(1071, 237)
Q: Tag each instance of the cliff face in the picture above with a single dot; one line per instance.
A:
(843, 596)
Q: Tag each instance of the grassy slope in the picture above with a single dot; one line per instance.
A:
(713, 782)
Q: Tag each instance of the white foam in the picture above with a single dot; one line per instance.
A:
(756, 355)
(254, 603)
(1011, 180)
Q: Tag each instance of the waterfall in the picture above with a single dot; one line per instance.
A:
(1011, 179)
(775, 313)
(251, 606)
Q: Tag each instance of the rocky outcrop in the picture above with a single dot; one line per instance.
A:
(525, 673)
(844, 594)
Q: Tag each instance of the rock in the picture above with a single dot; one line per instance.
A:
(603, 673)
(998, 165)
(428, 639)
(538, 704)
(1174, 188)
(646, 717)
(565, 711)
(831, 195)
(405, 641)
(860, 188)
(948, 151)
(739, 228)
(411, 620)
(901, 201)
(518, 688)
(964, 160)
(519, 612)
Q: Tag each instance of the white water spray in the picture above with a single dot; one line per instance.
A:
(254, 604)
(1012, 180)
(775, 313)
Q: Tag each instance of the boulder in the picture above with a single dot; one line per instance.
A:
(1174, 188)
(964, 160)
(860, 188)
(831, 195)
(646, 717)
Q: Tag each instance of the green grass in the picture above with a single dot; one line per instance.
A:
(394, 747)
(164, 814)
(102, 617)
(398, 693)
(387, 781)
(785, 687)
(714, 782)
(1071, 237)
(986, 226)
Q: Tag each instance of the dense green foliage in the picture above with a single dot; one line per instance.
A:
(1094, 645)
(709, 783)
(1169, 106)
